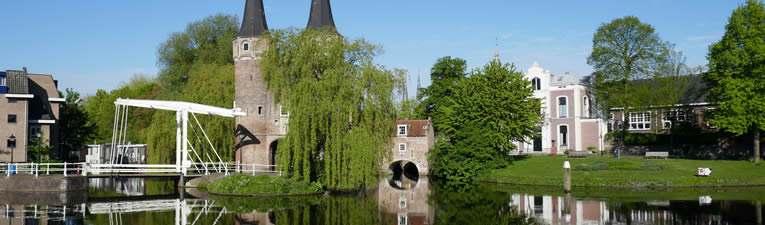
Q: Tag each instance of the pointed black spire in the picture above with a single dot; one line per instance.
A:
(254, 21)
(321, 15)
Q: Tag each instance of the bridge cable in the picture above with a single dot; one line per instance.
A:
(220, 160)
(203, 149)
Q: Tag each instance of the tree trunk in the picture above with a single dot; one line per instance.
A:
(756, 144)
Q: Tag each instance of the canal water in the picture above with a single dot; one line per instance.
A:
(399, 200)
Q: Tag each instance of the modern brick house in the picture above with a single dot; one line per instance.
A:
(29, 107)
(570, 120)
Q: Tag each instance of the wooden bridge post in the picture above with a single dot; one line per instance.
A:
(566, 177)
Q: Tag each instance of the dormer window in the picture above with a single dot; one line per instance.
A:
(246, 46)
(536, 84)
(401, 130)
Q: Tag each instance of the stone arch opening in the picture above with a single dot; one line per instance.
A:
(272, 149)
(405, 175)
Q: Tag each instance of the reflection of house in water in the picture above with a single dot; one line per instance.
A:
(556, 210)
(405, 201)
(133, 186)
(125, 154)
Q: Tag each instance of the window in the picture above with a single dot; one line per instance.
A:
(402, 200)
(563, 135)
(246, 46)
(674, 115)
(35, 131)
(402, 147)
(260, 110)
(402, 130)
(12, 100)
(276, 122)
(12, 118)
(640, 121)
(283, 112)
(403, 219)
(586, 107)
(536, 84)
(562, 107)
(2, 81)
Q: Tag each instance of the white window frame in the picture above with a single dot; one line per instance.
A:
(2, 81)
(282, 113)
(679, 115)
(560, 136)
(557, 99)
(398, 130)
(536, 83)
(400, 145)
(640, 120)
(33, 134)
(586, 108)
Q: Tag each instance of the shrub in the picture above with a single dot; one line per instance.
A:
(246, 184)
(592, 149)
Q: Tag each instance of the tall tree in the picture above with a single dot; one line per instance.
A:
(443, 76)
(489, 111)
(736, 76)
(341, 106)
(623, 50)
(74, 129)
(206, 41)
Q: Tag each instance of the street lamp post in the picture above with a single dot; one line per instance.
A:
(12, 142)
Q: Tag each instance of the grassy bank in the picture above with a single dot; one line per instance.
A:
(626, 172)
(260, 185)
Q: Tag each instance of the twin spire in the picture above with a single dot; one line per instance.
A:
(254, 21)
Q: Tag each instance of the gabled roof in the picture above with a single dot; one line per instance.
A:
(254, 20)
(415, 128)
(17, 82)
(321, 15)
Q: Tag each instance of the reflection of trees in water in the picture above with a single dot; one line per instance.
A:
(134, 186)
(332, 211)
(474, 205)
(684, 212)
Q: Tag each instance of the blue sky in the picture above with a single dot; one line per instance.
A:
(89, 45)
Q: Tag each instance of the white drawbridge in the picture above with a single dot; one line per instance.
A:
(187, 158)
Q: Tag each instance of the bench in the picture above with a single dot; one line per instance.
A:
(578, 154)
(657, 155)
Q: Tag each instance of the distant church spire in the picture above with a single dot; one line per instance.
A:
(321, 15)
(419, 87)
(496, 50)
(254, 20)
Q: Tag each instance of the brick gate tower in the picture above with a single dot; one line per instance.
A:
(258, 133)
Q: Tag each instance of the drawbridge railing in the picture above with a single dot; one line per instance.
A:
(85, 169)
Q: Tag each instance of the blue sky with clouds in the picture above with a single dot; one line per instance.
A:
(89, 45)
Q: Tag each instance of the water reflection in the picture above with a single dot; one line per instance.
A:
(399, 200)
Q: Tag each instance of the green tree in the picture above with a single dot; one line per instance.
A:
(40, 149)
(736, 76)
(74, 129)
(444, 75)
(489, 111)
(205, 41)
(341, 106)
(623, 51)
(196, 65)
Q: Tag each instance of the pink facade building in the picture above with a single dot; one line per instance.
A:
(570, 120)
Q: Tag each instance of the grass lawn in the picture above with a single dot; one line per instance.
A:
(626, 172)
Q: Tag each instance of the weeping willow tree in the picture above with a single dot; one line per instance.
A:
(340, 102)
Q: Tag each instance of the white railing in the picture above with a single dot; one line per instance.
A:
(86, 168)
